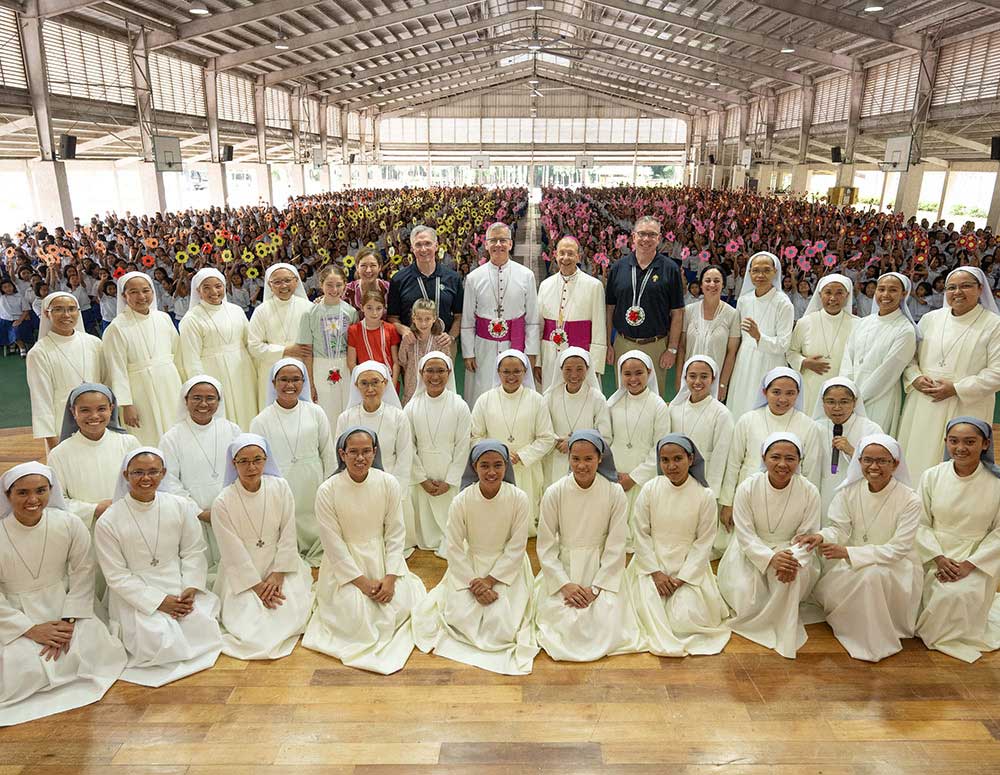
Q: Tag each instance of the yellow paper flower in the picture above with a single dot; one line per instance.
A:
(276, 239)
(348, 262)
(219, 240)
(193, 248)
(227, 255)
(370, 246)
(260, 249)
(253, 273)
(247, 256)
(181, 257)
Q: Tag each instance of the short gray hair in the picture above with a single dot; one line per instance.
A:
(646, 219)
(416, 231)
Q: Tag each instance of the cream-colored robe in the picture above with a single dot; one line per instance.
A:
(213, 341)
(362, 529)
(855, 429)
(256, 532)
(274, 326)
(587, 409)
(961, 520)
(56, 365)
(581, 540)
(819, 334)
(674, 532)
(767, 610)
(969, 348)
(584, 301)
(774, 315)
(637, 423)
(141, 356)
(485, 537)
(710, 337)
(871, 598)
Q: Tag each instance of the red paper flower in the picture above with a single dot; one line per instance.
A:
(118, 273)
(148, 260)
(334, 376)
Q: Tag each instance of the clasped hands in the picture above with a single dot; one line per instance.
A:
(812, 541)
(482, 590)
(576, 596)
(381, 591)
(178, 606)
(434, 487)
(269, 590)
(666, 584)
(936, 389)
(53, 637)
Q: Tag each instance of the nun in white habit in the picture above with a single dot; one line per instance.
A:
(265, 588)
(639, 416)
(697, 413)
(582, 611)
(87, 460)
(140, 350)
(152, 551)
(670, 580)
(300, 439)
(764, 575)
(480, 613)
(575, 403)
(517, 415)
(63, 357)
(374, 404)
(959, 544)
(55, 655)
(879, 350)
(274, 325)
(766, 319)
(872, 577)
(840, 416)
(366, 593)
(194, 452)
(213, 340)
(441, 424)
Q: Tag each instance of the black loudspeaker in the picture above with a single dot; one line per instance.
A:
(711, 158)
(67, 147)
(350, 159)
(836, 155)
(995, 148)
(227, 153)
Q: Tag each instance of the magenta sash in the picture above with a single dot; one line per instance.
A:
(516, 332)
(578, 332)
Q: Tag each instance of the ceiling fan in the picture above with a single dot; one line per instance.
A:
(556, 45)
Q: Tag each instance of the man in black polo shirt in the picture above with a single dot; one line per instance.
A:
(426, 278)
(645, 298)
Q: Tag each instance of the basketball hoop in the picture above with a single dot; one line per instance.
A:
(887, 166)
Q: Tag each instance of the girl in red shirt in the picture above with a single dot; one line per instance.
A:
(372, 339)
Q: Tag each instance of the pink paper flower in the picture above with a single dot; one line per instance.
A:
(732, 246)
(821, 245)
(685, 252)
(704, 256)
(790, 252)
(804, 264)
(829, 259)
(670, 236)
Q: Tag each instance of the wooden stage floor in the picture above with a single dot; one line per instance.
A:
(744, 711)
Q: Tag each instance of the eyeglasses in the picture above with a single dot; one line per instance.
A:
(281, 281)
(497, 240)
(647, 234)
(140, 474)
(436, 372)
(840, 403)
(359, 453)
(365, 384)
(246, 461)
(511, 372)
(881, 462)
(961, 287)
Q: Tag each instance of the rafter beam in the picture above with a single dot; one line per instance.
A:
(220, 22)
(364, 91)
(255, 53)
(728, 32)
(962, 142)
(428, 87)
(100, 142)
(17, 125)
(459, 89)
(865, 26)
(610, 91)
(716, 100)
(402, 64)
(389, 49)
(695, 52)
(57, 7)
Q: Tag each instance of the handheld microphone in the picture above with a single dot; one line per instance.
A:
(838, 430)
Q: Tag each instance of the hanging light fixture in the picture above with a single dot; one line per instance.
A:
(198, 8)
(281, 43)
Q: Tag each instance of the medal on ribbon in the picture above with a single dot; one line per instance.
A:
(635, 315)
(498, 328)
(559, 337)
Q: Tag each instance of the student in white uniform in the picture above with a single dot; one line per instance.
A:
(366, 593)
(816, 349)
(515, 414)
(55, 654)
(140, 359)
(87, 461)
(480, 613)
(697, 413)
(571, 312)
(63, 357)
(959, 544)
(872, 577)
(194, 452)
(764, 575)
(441, 424)
(264, 587)
(670, 581)
(582, 610)
(213, 340)
(575, 402)
(778, 408)
(956, 370)
(639, 416)
(766, 319)
(152, 552)
(373, 403)
(500, 312)
(274, 326)
(879, 349)
(841, 420)
(302, 446)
